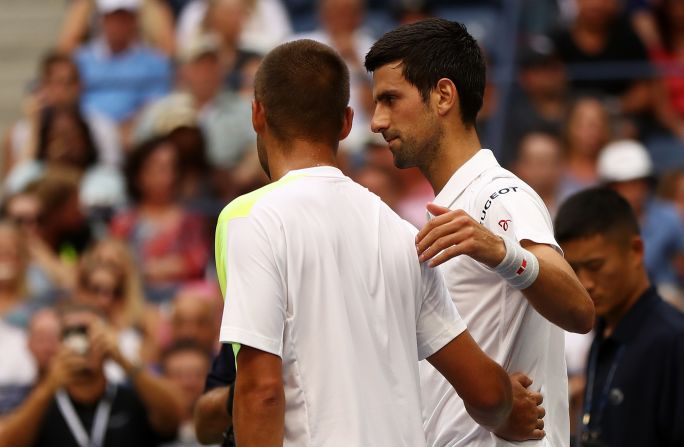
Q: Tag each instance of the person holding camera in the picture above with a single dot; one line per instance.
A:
(75, 406)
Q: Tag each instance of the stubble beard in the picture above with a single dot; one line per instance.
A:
(416, 153)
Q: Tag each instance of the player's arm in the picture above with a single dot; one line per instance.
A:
(483, 385)
(556, 293)
(259, 405)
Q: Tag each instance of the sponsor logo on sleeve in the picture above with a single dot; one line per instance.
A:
(494, 196)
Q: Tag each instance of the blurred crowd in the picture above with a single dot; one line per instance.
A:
(136, 131)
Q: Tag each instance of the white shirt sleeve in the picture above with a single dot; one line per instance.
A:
(438, 320)
(255, 303)
(507, 206)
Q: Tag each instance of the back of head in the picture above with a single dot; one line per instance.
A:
(304, 88)
(596, 211)
(431, 50)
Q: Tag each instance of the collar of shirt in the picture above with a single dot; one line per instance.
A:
(316, 171)
(464, 176)
(630, 326)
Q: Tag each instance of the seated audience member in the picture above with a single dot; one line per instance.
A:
(635, 387)
(186, 365)
(588, 130)
(249, 26)
(102, 285)
(120, 75)
(223, 116)
(64, 139)
(81, 21)
(29, 357)
(601, 43)
(668, 58)
(341, 28)
(195, 316)
(542, 101)
(540, 163)
(62, 236)
(626, 167)
(214, 409)
(75, 405)
(15, 304)
(59, 86)
(169, 243)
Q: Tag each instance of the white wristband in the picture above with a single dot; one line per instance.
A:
(519, 267)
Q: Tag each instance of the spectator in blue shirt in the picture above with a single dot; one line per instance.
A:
(120, 74)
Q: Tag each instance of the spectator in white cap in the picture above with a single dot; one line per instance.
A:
(223, 116)
(626, 167)
(120, 74)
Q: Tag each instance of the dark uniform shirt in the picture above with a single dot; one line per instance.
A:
(128, 424)
(643, 404)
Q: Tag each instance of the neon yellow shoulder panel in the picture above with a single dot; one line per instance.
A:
(240, 207)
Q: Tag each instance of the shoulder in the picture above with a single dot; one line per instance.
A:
(258, 201)
(501, 189)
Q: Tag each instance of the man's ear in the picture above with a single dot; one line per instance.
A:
(347, 124)
(445, 97)
(258, 117)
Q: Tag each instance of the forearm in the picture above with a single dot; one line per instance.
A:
(557, 294)
(637, 99)
(494, 414)
(259, 417)
(211, 416)
(158, 397)
(13, 428)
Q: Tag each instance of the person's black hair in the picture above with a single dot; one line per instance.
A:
(49, 116)
(595, 212)
(136, 159)
(431, 50)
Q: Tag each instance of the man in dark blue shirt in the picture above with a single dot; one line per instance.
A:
(213, 413)
(635, 374)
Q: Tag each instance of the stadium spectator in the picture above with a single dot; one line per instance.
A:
(186, 365)
(542, 101)
(59, 85)
(74, 404)
(120, 74)
(195, 316)
(252, 26)
(604, 55)
(81, 20)
(635, 387)
(214, 409)
(588, 130)
(168, 242)
(540, 163)
(15, 303)
(27, 357)
(341, 27)
(201, 100)
(626, 167)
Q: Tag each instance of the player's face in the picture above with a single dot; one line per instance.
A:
(607, 269)
(407, 123)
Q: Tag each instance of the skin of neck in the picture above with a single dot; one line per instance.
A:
(88, 390)
(284, 157)
(458, 145)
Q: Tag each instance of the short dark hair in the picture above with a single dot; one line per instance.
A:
(304, 88)
(48, 119)
(431, 50)
(136, 159)
(596, 211)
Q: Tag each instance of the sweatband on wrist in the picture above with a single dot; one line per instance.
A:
(519, 267)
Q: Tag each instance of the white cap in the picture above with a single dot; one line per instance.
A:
(107, 6)
(624, 160)
(198, 46)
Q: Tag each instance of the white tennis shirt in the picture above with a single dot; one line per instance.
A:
(317, 270)
(499, 317)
